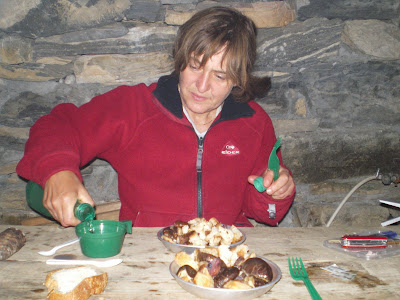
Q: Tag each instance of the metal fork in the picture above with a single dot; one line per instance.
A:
(298, 272)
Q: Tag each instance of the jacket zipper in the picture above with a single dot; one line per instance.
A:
(199, 178)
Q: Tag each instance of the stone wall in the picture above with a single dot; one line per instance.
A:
(335, 97)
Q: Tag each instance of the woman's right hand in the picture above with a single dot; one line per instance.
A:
(60, 194)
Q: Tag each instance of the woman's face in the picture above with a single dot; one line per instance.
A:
(204, 89)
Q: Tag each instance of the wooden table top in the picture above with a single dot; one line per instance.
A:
(144, 273)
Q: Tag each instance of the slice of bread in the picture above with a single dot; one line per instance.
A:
(77, 283)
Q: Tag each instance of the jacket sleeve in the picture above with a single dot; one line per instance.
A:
(70, 137)
(256, 204)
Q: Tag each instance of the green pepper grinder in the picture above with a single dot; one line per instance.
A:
(273, 164)
(34, 197)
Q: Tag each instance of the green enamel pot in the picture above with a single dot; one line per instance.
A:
(102, 238)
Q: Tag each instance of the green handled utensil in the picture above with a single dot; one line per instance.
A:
(273, 164)
(299, 272)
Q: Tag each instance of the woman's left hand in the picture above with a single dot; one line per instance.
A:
(279, 189)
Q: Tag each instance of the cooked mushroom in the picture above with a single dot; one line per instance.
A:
(239, 262)
(180, 224)
(242, 275)
(215, 266)
(225, 275)
(203, 256)
(187, 273)
(259, 282)
(169, 234)
(257, 267)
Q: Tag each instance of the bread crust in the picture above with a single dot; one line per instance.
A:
(86, 288)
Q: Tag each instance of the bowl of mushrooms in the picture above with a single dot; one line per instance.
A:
(199, 233)
(224, 273)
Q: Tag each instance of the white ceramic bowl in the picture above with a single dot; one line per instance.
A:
(219, 293)
(190, 248)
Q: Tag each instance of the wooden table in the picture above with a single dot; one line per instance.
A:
(144, 272)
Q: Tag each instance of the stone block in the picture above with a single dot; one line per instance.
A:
(172, 2)
(173, 17)
(115, 30)
(47, 17)
(145, 10)
(15, 133)
(284, 127)
(327, 155)
(34, 71)
(23, 111)
(8, 169)
(15, 50)
(301, 109)
(264, 14)
(298, 44)
(128, 39)
(269, 14)
(12, 12)
(122, 69)
(375, 38)
(351, 94)
(55, 60)
(25, 73)
(348, 9)
(24, 102)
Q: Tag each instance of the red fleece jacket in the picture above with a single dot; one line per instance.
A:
(165, 172)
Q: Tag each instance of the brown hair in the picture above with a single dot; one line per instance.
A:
(213, 29)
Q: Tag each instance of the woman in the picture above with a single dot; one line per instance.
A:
(189, 146)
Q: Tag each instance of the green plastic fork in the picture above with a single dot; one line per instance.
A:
(298, 272)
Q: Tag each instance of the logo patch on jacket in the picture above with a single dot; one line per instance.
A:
(230, 149)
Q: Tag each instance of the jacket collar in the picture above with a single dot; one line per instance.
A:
(167, 94)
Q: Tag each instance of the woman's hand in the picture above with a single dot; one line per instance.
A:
(60, 194)
(279, 189)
